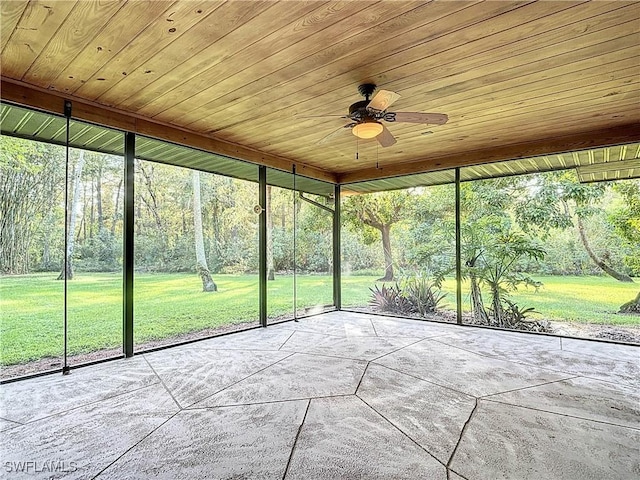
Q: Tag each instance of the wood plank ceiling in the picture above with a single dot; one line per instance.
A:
(517, 78)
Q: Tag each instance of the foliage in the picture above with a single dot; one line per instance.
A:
(418, 296)
(632, 306)
(625, 218)
(100, 253)
(314, 237)
(374, 210)
(497, 264)
(584, 299)
(358, 257)
(419, 221)
(514, 313)
(390, 299)
(374, 214)
(423, 294)
(556, 200)
(430, 241)
(282, 249)
(515, 318)
(494, 249)
(30, 177)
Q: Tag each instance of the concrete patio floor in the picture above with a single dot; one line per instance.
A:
(337, 396)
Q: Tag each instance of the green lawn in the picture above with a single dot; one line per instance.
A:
(580, 299)
(167, 305)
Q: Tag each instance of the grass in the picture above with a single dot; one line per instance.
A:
(580, 299)
(167, 305)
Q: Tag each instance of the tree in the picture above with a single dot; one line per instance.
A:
(496, 266)
(271, 275)
(208, 285)
(96, 246)
(314, 234)
(67, 269)
(493, 249)
(379, 212)
(30, 179)
(558, 200)
(164, 218)
(632, 306)
(626, 221)
(430, 239)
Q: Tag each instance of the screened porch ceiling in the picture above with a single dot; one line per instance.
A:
(528, 86)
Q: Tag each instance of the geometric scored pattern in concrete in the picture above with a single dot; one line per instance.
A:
(337, 396)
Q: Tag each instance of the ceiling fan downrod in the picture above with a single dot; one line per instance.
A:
(366, 90)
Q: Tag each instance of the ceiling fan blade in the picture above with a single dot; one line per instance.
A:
(383, 100)
(321, 116)
(385, 138)
(335, 133)
(416, 117)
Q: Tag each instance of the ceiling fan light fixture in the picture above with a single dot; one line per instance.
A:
(367, 129)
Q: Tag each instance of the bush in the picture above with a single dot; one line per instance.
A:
(516, 318)
(390, 299)
(421, 296)
(102, 253)
(360, 257)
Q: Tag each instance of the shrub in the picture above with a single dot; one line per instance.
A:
(390, 299)
(423, 294)
(512, 316)
(419, 296)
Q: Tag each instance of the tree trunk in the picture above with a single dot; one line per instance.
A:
(67, 269)
(631, 307)
(598, 261)
(388, 257)
(208, 285)
(49, 226)
(152, 201)
(114, 220)
(46, 252)
(477, 305)
(271, 274)
(91, 210)
(496, 305)
(99, 199)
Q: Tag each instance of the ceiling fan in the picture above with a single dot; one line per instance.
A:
(366, 116)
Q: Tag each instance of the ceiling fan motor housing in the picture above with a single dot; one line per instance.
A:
(358, 110)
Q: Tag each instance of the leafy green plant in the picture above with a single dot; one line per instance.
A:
(390, 299)
(514, 313)
(423, 294)
(419, 295)
(517, 318)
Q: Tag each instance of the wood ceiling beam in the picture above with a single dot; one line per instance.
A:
(29, 96)
(22, 94)
(549, 146)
